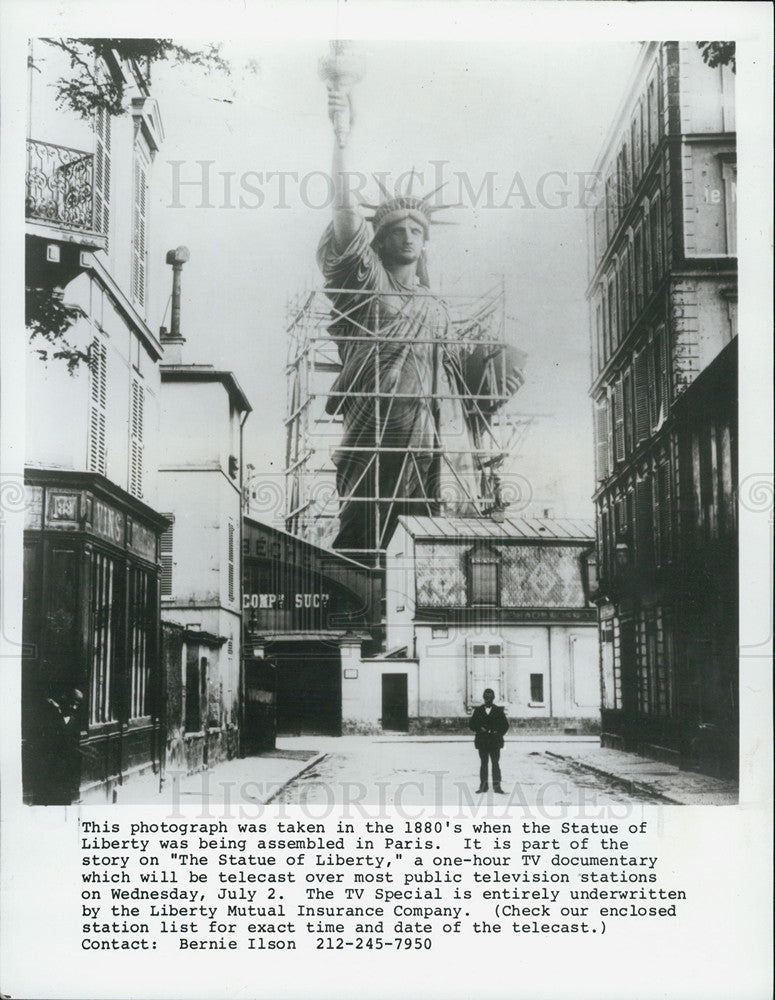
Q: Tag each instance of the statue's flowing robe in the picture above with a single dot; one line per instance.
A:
(409, 430)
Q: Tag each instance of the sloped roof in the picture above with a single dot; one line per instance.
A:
(528, 528)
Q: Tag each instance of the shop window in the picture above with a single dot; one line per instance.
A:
(106, 602)
(537, 688)
(142, 606)
(484, 566)
(611, 683)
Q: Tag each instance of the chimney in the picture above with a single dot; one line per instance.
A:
(172, 340)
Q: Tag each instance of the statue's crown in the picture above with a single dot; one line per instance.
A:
(398, 206)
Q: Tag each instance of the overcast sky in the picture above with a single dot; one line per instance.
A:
(532, 115)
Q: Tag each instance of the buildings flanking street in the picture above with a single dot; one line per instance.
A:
(202, 415)
(166, 627)
(134, 478)
(663, 308)
(91, 580)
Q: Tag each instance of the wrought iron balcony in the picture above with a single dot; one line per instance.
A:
(60, 188)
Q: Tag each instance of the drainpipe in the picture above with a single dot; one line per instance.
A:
(241, 678)
(549, 645)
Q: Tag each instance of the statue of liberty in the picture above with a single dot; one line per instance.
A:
(414, 400)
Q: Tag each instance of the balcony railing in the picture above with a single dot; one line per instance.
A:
(60, 186)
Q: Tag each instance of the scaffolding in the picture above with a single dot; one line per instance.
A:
(462, 374)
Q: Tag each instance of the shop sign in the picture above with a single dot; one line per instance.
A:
(108, 523)
(142, 541)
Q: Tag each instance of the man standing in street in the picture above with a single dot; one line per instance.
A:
(489, 722)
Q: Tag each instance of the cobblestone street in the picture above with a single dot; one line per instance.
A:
(426, 772)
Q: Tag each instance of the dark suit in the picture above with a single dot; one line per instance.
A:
(488, 741)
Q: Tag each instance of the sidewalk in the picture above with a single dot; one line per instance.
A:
(643, 774)
(257, 779)
(260, 779)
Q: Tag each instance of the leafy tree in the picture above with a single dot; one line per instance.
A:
(718, 54)
(49, 318)
(86, 91)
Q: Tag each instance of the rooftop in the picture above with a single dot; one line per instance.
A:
(531, 528)
(206, 373)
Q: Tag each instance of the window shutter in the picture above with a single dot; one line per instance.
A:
(231, 560)
(643, 522)
(602, 458)
(101, 219)
(97, 451)
(612, 318)
(165, 552)
(605, 543)
(659, 375)
(136, 439)
(618, 421)
(642, 426)
(139, 233)
(629, 429)
(665, 502)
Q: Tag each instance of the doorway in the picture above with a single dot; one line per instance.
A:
(395, 702)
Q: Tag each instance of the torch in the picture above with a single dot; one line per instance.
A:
(341, 69)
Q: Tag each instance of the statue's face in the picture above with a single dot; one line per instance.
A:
(402, 242)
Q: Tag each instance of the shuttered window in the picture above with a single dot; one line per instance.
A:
(629, 411)
(136, 418)
(231, 560)
(653, 114)
(644, 527)
(139, 228)
(659, 379)
(662, 495)
(602, 457)
(102, 172)
(638, 260)
(635, 136)
(165, 553)
(97, 451)
(483, 576)
(655, 239)
(612, 317)
(618, 404)
(640, 369)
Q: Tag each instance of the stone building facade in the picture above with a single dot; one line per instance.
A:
(663, 311)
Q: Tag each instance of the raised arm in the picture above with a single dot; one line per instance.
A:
(347, 218)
